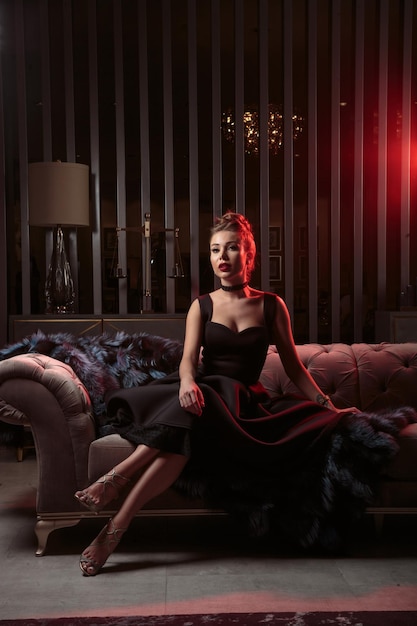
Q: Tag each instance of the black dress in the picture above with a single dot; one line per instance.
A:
(286, 464)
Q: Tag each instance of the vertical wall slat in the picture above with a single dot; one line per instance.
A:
(120, 148)
(3, 224)
(70, 130)
(193, 149)
(168, 151)
(406, 143)
(46, 107)
(216, 109)
(69, 81)
(335, 172)
(263, 137)
(145, 168)
(46, 81)
(382, 156)
(94, 155)
(23, 154)
(239, 107)
(357, 303)
(288, 158)
(312, 171)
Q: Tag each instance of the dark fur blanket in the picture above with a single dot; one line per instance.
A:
(102, 363)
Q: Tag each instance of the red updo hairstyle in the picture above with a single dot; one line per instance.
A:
(237, 223)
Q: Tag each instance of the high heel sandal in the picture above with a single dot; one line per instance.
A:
(106, 537)
(86, 500)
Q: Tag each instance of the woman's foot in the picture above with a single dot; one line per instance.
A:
(104, 490)
(94, 557)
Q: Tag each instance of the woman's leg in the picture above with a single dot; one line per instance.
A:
(106, 488)
(160, 474)
(156, 479)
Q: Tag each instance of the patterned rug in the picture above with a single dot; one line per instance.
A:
(347, 618)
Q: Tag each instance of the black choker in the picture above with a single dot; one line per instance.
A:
(234, 287)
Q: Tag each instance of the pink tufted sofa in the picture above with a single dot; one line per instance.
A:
(45, 394)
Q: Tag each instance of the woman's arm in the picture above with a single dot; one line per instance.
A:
(190, 395)
(294, 368)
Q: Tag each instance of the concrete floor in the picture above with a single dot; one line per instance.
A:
(168, 566)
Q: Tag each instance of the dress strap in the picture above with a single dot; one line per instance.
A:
(206, 307)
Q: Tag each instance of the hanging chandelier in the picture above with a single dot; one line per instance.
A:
(251, 128)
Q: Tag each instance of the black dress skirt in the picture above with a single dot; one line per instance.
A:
(286, 464)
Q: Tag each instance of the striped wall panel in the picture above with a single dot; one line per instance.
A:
(137, 89)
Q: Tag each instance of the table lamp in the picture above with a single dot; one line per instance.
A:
(59, 196)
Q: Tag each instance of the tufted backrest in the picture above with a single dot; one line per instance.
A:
(387, 374)
(368, 376)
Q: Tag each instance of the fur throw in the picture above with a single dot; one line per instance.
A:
(102, 363)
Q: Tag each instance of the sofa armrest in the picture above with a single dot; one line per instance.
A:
(46, 394)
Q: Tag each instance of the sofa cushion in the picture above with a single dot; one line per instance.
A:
(105, 453)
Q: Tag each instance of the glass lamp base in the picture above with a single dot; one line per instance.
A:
(59, 286)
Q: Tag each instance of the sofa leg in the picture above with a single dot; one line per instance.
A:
(44, 527)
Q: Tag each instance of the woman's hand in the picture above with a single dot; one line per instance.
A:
(351, 409)
(325, 401)
(329, 405)
(191, 397)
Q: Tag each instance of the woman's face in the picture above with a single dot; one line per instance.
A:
(228, 257)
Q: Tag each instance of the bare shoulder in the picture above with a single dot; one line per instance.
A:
(194, 319)
(279, 302)
(194, 313)
(194, 308)
(281, 306)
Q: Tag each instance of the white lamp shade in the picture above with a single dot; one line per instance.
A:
(59, 194)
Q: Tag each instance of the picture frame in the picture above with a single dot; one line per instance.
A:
(109, 277)
(109, 241)
(275, 238)
(275, 267)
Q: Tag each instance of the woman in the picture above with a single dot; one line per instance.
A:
(248, 453)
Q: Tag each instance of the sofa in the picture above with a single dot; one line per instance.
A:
(45, 394)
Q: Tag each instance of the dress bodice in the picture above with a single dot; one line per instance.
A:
(238, 355)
